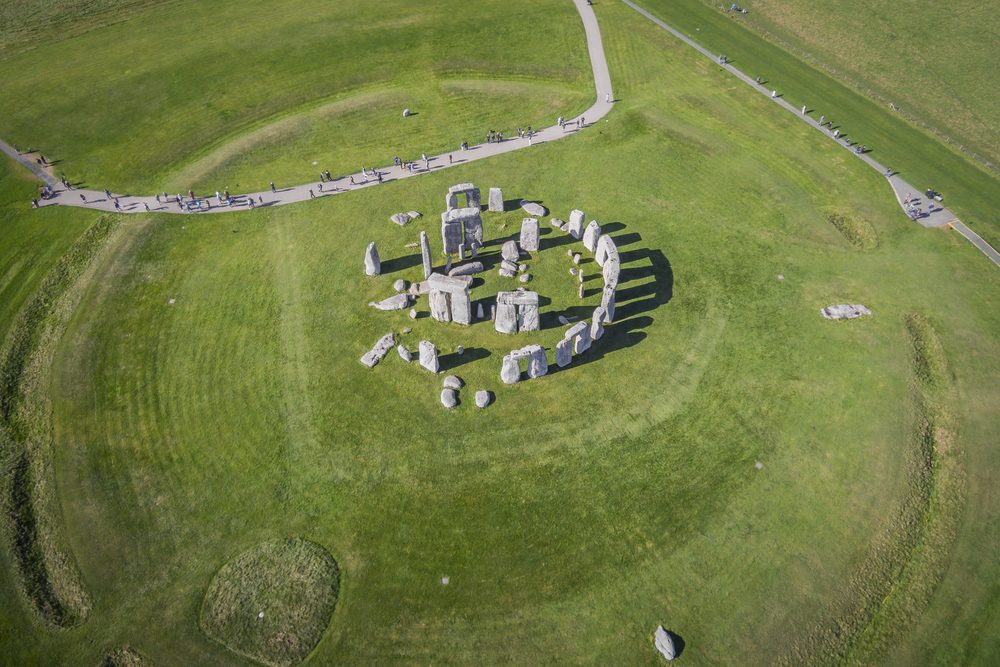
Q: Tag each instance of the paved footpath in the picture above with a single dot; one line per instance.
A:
(927, 213)
(94, 199)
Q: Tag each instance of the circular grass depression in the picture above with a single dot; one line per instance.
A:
(272, 603)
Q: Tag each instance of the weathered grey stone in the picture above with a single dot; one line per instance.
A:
(429, 356)
(529, 235)
(439, 305)
(579, 333)
(373, 266)
(407, 330)
(527, 318)
(508, 265)
(506, 318)
(845, 311)
(461, 253)
(608, 304)
(531, 208)
(563, 320)
(664, 643)
(413, 313)
(378, 352)
(480, 314)
(564, 352)
(453, 382)
(605, 246)
(591, 235)
(576, 258)
(493, 312)
(404, 353)
(400, 219)
(538, 365)
(572, 271)
(460, 350)
(414, 214)
(506, 273)
(447, 265)
(411, 245)
(597, 323)
(579, 290)
(394, 302)
(467, 269)
(557, 223)
(469, 191)
(449, 398)
(400, 285)
(482, 398)
(569, 253)
(496, 200)
(461, 307)
(521, 268)
(575, 225)
(611, 271)
(425, 254)
(510, 252)
(579, 277)
(461, 226)
(510, 371)
(524, 277)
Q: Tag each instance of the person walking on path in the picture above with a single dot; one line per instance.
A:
(774, 93)
(118, 207)
(272, 186)
(803, 110)
(83, 198)
(146, 206)
(34, 203)
(311, 195)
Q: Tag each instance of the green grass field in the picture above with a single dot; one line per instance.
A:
(191, 390)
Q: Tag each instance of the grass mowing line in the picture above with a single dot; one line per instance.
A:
(907, 561)
(273, 602)
(48, 573)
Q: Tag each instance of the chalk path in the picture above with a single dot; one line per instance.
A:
(928, 213)
(283, 195)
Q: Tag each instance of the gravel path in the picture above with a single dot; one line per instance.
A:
(94, 199)
(928, 213)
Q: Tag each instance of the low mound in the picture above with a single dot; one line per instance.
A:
(293, 583)
(858, 231)
(126, 656)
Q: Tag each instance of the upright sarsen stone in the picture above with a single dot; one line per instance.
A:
(529, 235)
(425, 254)
(591, 235)
(496, 200)
(575, 225)
(564, 352)
(373, 266)
(510, 370)
(429, 356)
(538, 365)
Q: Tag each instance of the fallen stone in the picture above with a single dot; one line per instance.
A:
(531, 208)
(572, 271)
(414, 214)
(524, 277)
(395, 302)
(845, 311)
(429, 356)
(575, 225)
(482, 398)
(664, 643)
(404, 353)
(400, 285)
(467, 269)
(413, 313)
(407, 330)
(453, 382)
(449, 398)
(378, 352)
(591, 235)
(508, 265)
(496, 200)
(411, 245)
(529, 235)
(373, 266)
(506, 273)
(509, 251)
(401, 219)
(558, 224)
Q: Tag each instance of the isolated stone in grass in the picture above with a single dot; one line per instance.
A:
(413, 313)
(531, 208)
(664, 643)
(404, 353)
(429, 356)
(482, 398)
(395, 302)
(294, 580)
(453, 382)
(758, 465)
(449, 398)
(400, 219)
(373, 266)
(377, 353)
(845, 311)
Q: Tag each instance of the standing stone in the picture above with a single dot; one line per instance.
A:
(597, 323)
(579, 276)
(493, 312)
(496, 200)
(468, 190)
(579, 333)
(527, 318)
(605, 246)
(479, 311)
(461, 307)
(373, 266)
(425, 254)
(506, 318)
(510, 371)
(564, 352)
(449, 398)
(447, 265)
(413, 313)
(404, 353)
(576, 258)
(509, 252)
(429, 356)
(529, 235)
(664, 643)
(608, 304)
(575, 225)
(612, 271)
(579, 291)
(461, 253)
(482, 398)
(438, 302)
(591, 235)
(538, 365)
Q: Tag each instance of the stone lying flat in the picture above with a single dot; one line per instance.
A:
(404, 353)
(401, 219)
(524, 277)
(449, 398)
(482, 398)
(557, 223)
(400, 285)
(453, 382)
(509, 251)
(664, 643)
(377, 353)
(467, 269)
(531, 208)
(395, 302)
(414, 214)
(845, 311)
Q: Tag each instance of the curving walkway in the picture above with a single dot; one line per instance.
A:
(98, 200)
(910, 198)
